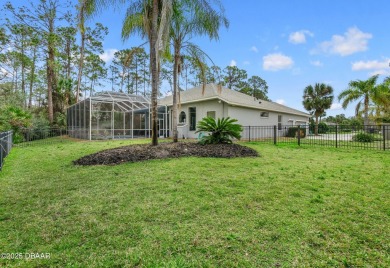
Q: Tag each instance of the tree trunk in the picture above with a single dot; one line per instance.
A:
(316, 127)
(50, 79)
(154, 67)
(32, 74)
(23, 74)
(81, 64)
(144, 76)
(175, 90)
(136, 76)
(366, 102)
(122, 78)
(69, 57)
(128, 82)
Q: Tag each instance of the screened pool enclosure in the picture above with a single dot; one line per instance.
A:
(114, 115)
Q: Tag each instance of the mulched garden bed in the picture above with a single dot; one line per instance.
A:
(141, 152)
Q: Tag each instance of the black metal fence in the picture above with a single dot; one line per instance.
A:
(5, 145)
(27, 137)
(348, 136)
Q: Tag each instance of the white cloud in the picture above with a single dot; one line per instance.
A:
(246, 62)
(108, 54)
(380, 72)
(276, 62)
(254, 49)
(299, 37)
(351, 42)
(370, 65)
(375, 66)
(316, 63)
(336, 106)
(281, 101)
(233, 63)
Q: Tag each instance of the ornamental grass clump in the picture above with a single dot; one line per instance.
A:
(222, 130)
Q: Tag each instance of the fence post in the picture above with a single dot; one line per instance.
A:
(336, 136)
(299, 135)
(384, 137)
(1, 151)
(249, 133)
(275, 134)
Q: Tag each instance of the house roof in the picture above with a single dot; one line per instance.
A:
(213, 91)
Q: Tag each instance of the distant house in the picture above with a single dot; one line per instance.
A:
(219, 102)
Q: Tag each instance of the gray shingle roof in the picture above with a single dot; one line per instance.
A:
(231, 97)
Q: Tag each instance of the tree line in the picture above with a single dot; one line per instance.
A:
(50, 55)
(372, 98)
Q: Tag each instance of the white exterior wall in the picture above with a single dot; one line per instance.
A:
(251, 117)
(245, 116)
(201, 111)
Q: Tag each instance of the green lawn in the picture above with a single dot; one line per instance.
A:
(291, 207)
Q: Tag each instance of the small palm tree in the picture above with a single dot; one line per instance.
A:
(221, 130)
(317, 99)
(360, 90)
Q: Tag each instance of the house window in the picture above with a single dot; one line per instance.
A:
(279, 122)
(192, 115)
(182, 117)
(211, 114)
(264, 114)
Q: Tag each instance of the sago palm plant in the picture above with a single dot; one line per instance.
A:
(221, 130)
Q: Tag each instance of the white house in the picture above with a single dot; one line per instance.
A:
(217, 102)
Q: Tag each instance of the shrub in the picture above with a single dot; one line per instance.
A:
(292, 132)
(363, 137)
(323, 128)
(14, 118)
(60, 119)
(220, 131)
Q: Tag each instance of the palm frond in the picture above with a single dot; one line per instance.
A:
(163, 27)
(134, 21)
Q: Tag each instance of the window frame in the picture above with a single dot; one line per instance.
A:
(192, 118)
(280, 119)
(264, 117)
(180, 117)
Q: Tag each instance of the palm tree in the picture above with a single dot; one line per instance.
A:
(150, 19)
(317, 99)
(360, 90)
(381, 98)
(203, 20)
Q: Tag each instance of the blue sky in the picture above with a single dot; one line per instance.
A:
(292, 44)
